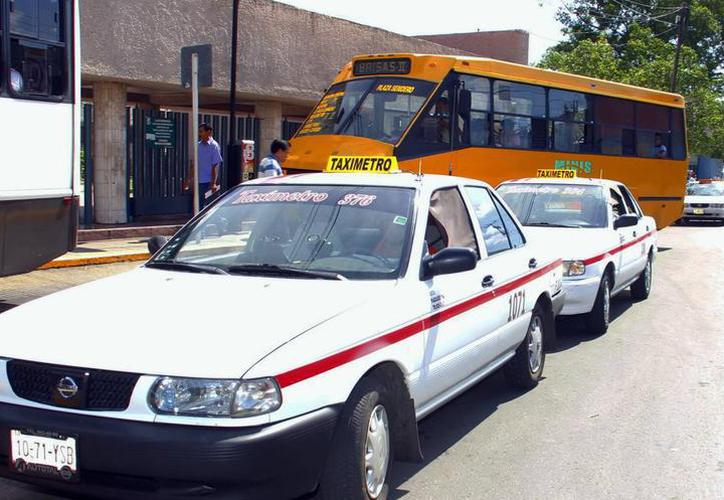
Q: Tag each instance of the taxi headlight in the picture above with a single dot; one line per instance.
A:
(574, 268)
(717, 205)
(214, 398)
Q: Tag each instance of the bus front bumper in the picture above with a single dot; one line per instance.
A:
(129, 459)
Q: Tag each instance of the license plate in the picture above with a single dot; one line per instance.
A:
(698, 211)
(46, 455)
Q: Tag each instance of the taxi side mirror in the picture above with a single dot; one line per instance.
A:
(625, 220)
(449, 261)
(155, 243)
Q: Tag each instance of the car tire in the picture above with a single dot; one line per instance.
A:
(641, 288)
(598, 319)
(353, 471)
(524, 370)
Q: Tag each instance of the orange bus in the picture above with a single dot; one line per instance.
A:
(495, 121)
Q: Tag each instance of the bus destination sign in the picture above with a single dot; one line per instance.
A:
(398, 66)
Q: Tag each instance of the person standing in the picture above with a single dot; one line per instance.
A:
(209, 165)
(271, 166)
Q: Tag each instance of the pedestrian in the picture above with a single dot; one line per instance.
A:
(209, 165)
(271, 166)
(660, 150)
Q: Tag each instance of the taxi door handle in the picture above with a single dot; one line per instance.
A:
(634, 234)
(488, 281)
(532, 263)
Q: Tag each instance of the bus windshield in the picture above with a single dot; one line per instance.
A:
(375, 108)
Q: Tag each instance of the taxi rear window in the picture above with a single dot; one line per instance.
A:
(556, 205)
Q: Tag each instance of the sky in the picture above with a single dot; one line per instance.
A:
(415, 17)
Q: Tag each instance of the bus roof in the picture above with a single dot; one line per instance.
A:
(435, 67)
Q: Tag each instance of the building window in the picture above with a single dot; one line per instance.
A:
(39, 63)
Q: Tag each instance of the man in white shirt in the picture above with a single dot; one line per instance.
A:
(271, 166)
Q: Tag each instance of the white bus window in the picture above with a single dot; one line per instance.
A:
(39, 66)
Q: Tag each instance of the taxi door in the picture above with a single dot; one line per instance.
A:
(628, 256)
(458, 346)
(643, 227)
(508, 258)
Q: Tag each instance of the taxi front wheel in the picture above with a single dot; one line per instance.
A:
(600, 316)
(359, 461)
(525, 368)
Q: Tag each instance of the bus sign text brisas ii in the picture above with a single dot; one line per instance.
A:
(397, 66)
(362, 164)
(558, 173)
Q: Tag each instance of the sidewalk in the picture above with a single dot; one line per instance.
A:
(102, 252)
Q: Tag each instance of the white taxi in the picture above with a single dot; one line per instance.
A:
(606, 241)
(285, 341)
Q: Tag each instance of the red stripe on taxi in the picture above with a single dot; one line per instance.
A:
(348, 355)
(614, 251)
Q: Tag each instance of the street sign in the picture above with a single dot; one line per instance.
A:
(204, 55)
(160, 132)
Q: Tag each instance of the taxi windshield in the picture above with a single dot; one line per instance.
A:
(556, 205)
(375, 108)
(298, 231)
(711, 189)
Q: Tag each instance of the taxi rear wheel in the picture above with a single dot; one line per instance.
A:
(641, 288)
(525, 368)
(598, 319)
(358, 464)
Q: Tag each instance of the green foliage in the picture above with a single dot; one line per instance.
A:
(619, 41)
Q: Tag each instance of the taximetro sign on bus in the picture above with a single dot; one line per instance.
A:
(496, 121)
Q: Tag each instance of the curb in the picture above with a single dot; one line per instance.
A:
(94, 261)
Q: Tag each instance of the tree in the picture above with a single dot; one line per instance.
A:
(614, 19)
(646, 59)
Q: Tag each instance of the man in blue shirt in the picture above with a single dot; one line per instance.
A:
(209, 165)
(271, 166)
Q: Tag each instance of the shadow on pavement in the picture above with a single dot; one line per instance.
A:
(5, 306)
(571, 330)
(451, 423)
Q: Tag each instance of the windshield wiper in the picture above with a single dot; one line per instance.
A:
(185, 266)
(550, 224)
(272, 269)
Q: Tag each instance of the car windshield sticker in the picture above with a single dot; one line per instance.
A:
(357, 199)
(401, 89)
(308, 196)
(400, 220)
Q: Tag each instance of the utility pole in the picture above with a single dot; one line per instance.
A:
(233, 154)
(683, 22)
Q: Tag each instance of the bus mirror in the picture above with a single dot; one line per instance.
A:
(464, 102)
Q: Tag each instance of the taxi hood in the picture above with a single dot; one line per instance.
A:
(313, 152)
(703, 199)
(572, 243)
(158, 322)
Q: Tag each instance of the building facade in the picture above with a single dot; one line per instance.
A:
(131, 77)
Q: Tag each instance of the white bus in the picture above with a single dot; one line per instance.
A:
(39, 131)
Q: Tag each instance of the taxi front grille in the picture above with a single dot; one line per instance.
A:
(699, 205)
(97, 390)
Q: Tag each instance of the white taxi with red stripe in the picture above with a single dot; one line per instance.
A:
(285, 341)
(606, 241)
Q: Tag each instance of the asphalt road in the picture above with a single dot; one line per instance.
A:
(636, 413)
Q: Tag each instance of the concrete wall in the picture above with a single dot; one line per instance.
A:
(285, 53)
(504, 45)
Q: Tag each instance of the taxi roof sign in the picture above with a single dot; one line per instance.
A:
(556, 173)
(362, 164)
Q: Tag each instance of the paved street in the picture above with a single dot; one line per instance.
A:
(637, 413)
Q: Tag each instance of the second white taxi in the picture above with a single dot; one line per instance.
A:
(285, 341)
(606, 241)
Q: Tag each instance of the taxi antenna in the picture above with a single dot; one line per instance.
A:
(419, 167)
(449, 167)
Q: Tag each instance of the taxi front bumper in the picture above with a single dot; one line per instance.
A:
(129, 459)
(580, 295)
(704, 214)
